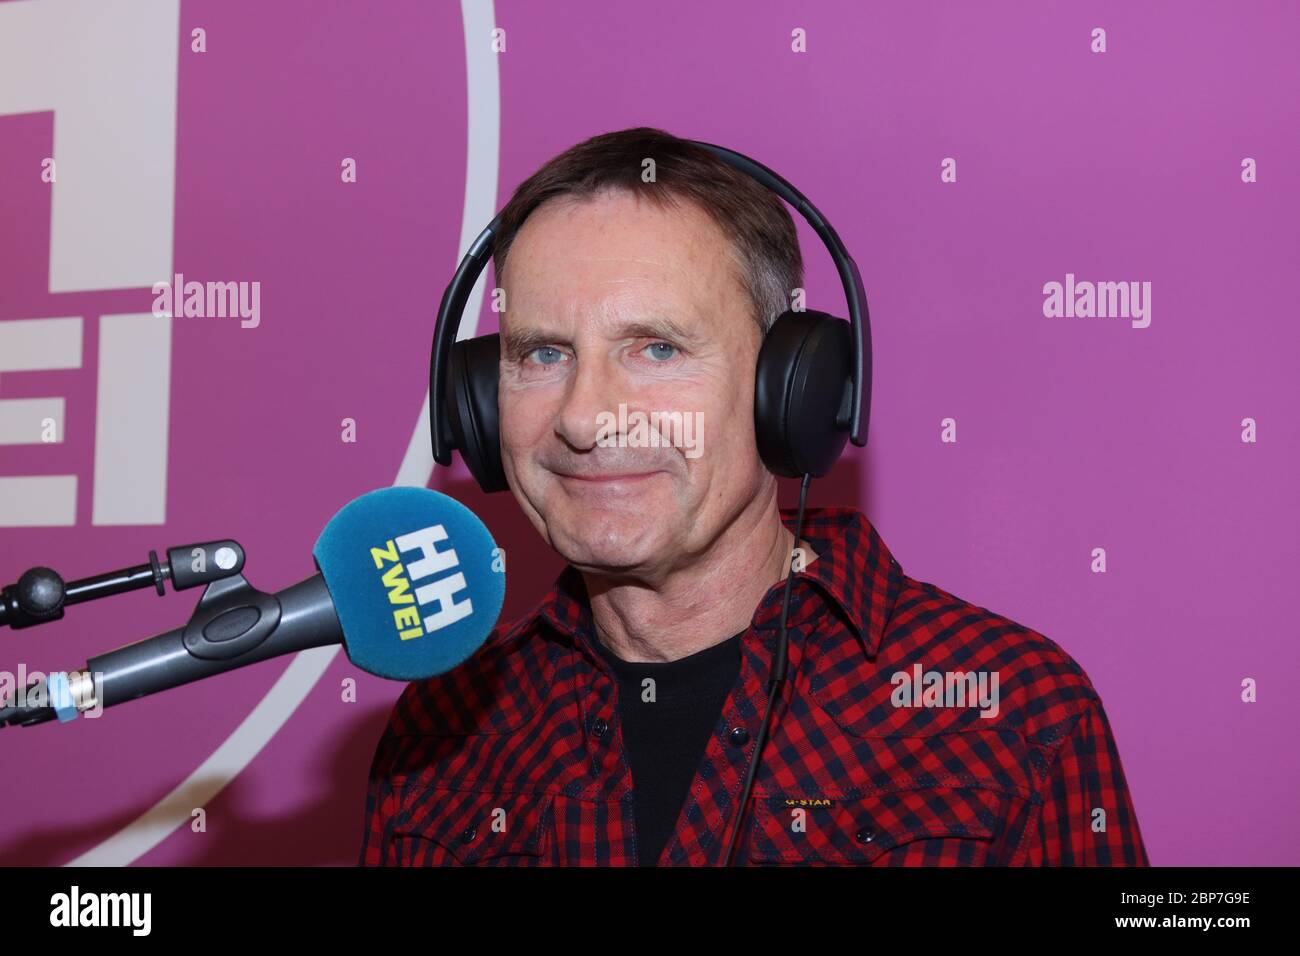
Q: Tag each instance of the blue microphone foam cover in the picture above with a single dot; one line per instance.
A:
(415, 581)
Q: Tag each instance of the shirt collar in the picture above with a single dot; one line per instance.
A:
(853, 569)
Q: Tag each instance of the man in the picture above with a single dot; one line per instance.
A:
(615, 723)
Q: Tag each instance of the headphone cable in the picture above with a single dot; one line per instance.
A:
(775, 681)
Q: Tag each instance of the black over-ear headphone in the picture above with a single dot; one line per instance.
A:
(812, 388)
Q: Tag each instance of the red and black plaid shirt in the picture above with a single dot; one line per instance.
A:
(516, 758)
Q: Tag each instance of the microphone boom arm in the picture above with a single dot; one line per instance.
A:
(233, 625)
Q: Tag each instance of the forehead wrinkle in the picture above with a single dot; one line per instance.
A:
(619, 304)
(653, 262)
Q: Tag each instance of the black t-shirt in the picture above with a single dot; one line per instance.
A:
(666, 727)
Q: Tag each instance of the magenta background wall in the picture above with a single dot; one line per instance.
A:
(1073, 434)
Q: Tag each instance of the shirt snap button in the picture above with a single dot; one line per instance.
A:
(468, 834)
(600, 727)
(739, 736)
(866, 835)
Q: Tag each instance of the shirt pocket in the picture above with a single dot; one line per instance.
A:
(955, 826)
(441, 826)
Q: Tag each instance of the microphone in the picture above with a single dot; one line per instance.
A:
(410, 582)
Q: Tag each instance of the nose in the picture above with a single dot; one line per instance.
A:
(593, 388)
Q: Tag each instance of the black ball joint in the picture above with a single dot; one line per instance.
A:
(36, 598)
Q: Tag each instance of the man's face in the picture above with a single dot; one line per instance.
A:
(612, 300)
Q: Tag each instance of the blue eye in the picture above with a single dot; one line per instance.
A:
(547, 355)
(661, 351)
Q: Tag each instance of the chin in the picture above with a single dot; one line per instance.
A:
(595, 539)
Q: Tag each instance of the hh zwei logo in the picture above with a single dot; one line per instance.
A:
(437, 595)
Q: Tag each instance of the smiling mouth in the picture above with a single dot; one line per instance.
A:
(609, 479)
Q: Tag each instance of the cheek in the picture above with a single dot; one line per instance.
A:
(724, 408)
(719, 396)
(525, 418)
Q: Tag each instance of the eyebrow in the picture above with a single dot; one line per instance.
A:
(516, 343)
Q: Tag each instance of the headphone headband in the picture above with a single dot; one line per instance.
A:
(451, 309)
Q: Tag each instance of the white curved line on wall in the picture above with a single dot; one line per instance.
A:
(265, 720)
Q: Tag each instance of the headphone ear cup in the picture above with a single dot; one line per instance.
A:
(804, 368)
(471, 403)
